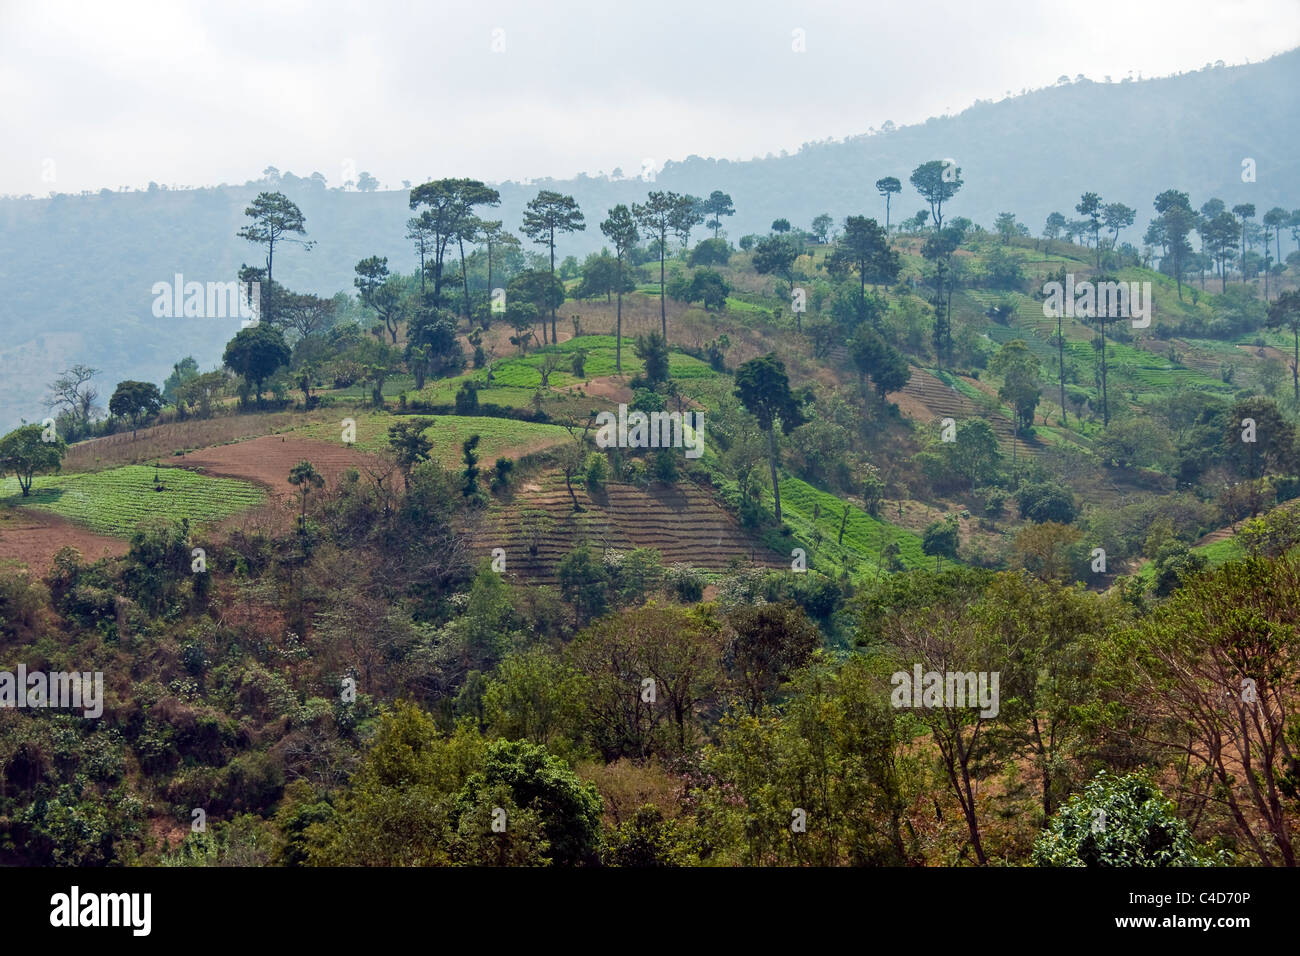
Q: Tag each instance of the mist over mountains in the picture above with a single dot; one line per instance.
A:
(76, 272)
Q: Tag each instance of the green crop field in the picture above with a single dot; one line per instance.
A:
(448, 432)
(113, 502)
(864, 536)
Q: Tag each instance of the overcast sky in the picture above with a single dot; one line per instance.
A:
(109, 94)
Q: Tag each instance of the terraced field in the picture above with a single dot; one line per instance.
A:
(113, 502)
(947, 401)
(1130, 366)
(682, 522)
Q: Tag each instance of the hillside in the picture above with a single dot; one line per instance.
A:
(76, 271)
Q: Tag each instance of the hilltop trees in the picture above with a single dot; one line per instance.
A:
(537, 288)
(138, 401)
(821, 228)
(306, 314)
(493, 236)
(864, 248)
(420, 230)
(715, 207)
(1219, 236)
(1175, 221)
(1089, 206)
(26, 452)
(658, 216)
(1054, 226)
(937, 181)
(450, 205)
(548, 213)
(1117, 217)
(380, 291)
(620, 229)
(1245, 212)
(887, 187)
(688, 215)
(275, 218)
(1274, 219)
(764, 389)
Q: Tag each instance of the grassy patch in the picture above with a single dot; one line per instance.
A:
(448, 433)
(864, 536)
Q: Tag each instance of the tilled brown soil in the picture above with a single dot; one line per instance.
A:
(33, 538)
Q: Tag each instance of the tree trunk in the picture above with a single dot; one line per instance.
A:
(618, 332)
(464, 277)
(1060, 352)
(552, 307)
(776, 484)
(1295, 364)
(270, 286)
(663, 309)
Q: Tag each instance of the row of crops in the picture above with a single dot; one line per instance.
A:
(113, 502)
(807, 509)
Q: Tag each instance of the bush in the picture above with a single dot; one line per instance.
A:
(665, 466)
(1119, 821)
(1040, 502)
(597, 471)
(467, 399)
(685, 583)
(710, 252)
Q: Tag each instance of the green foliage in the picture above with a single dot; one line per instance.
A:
(940, 539)
(26, 453)
(1042, 501)
(256, 353)
(1119, 821)
(583, 581)
(138, 401)
(652, 350)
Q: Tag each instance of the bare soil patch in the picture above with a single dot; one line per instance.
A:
(161, 442)
(268, 460)
(33, 538)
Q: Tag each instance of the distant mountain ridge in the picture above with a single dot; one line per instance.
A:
(76, 272)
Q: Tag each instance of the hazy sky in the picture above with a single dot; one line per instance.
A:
(108, 94)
